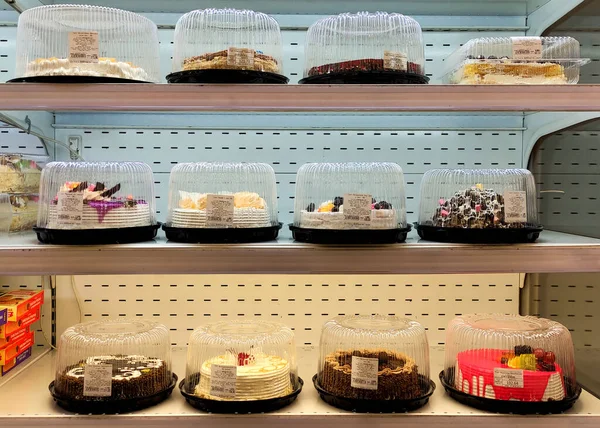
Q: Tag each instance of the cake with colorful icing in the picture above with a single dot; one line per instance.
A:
(249, 211)
(330, 215)
(259, 376)
(105, 67)
(102, 208)
(19, 174)
(522, 374)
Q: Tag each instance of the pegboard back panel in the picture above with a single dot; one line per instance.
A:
(304, 302)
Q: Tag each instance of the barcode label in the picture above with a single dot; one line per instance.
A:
(69, 207)
(395, 61)
(223, 381)
(364, 372)
(508, 378)
(357, 209)
(84, 47)
(97, 380)
(526, 48)
(515, 207)
(241, 57)
(219, 210)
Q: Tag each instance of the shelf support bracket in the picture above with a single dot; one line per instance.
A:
(544, 16)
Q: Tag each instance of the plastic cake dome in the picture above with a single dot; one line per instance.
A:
(374, 358)
(351, 45)
(86, 41)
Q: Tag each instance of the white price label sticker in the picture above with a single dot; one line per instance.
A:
(508, 378)
(526, 48)
(97, 380)
(219, 210)
(515, 207)
(223, 380)
(84, 47)
(69, 208)
(357, 209)
(364, 373)
(395, 61)
(241, 57)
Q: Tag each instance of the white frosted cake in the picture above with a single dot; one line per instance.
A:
(101, 209)
(330, 215)
(250, 211)
(259, 376)
(105, 67)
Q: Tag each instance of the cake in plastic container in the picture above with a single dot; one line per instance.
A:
(78, 43)
(374, 363)
(18, 211)
(356, 202)
(96, 202)
(227, 46)
(112, 366)
(515, 61)
(478, 205)
(222, 202)
(20, 173)
(241, 366)
(510, 363)
(364, 48)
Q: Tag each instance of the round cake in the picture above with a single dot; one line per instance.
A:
(397, 376)
(330, 215)
(105, 67)
(232, 59)
(19, 175)
(101, 209)
(361, 65)
(250, 211)
(133, 376)
(524, 374)
(259, 376)
(473, 208)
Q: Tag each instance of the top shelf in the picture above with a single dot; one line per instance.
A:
(299, 98)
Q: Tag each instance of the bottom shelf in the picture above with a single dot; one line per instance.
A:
(25, 401)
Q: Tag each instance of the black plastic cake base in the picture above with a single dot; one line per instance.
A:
(377, 406)
(512, 406)
(226, 76)
(221, 236)
(125, 235)
(241, 407)
(345, 236)
(367, 77)
(102, 406)
(72, 79)
(482, 236)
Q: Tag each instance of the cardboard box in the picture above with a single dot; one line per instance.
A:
(20, 302)
(15, 348)
(3, 316)
(10, 328)
(15, 336)
(24, 355)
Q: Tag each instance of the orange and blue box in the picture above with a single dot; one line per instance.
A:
(24, 355)
(20, 302)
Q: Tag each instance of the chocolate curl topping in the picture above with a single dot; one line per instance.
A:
(108, 193)
(80, 187)
(99, 186)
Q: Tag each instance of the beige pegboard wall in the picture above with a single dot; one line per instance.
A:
(304, 302)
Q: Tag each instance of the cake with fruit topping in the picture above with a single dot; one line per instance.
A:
(232, 59)
(101, 209)
(133, 376)
(105, 67)
(494, 71)
(249, 211)
(474, 208)
(330, 215)
(19, 175)
(361, 65)
(259, 376)
(397, 376)
(522, 374)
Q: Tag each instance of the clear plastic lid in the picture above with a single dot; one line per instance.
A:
(222, 195)
(241, 360)
(374, 357)
(229, 39)
(78, 40)
(115, 359)
(515, 60)
(354, 195)
(510, 357)
(364, 41)
(18, 211)
(96, 195)
(478, 199)
(20, 173)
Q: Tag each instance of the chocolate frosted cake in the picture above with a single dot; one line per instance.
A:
(133, 376)
(473, 208)
(361, 65)
(397, 377)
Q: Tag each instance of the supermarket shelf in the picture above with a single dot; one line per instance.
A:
(553, 252)
(586, 361)
(28, 403)
(298, 98)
